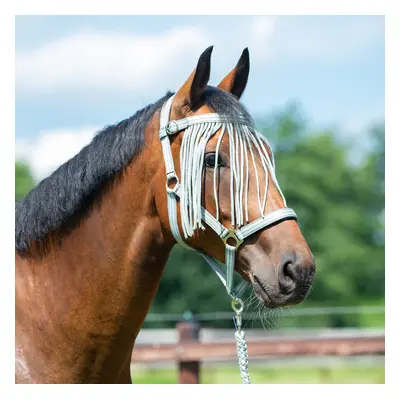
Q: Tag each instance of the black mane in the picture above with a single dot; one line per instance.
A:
(62, 200)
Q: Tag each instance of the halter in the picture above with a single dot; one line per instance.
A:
(198, 130)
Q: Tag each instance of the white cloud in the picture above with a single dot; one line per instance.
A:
(261, 35)
(111, 61)
(120, 62)
(50, 149)
(114, 62)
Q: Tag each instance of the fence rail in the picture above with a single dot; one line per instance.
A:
(189, 352)
(284, 312)
(266, 349)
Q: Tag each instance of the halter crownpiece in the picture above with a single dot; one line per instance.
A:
(243, 140)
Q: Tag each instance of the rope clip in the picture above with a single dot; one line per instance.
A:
(237, 306)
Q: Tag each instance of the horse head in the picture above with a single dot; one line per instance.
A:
(224, 192)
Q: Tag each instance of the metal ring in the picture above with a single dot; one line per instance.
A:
(176, 187)
(234, 305)
(231, 235)
(172, 127)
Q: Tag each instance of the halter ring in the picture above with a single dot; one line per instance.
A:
(231, 235)
(171, 177)
(172, 127)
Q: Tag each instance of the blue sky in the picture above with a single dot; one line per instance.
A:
(76, 74)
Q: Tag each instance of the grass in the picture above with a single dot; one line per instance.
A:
(230, 374)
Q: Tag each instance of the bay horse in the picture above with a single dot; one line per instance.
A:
(93, 238)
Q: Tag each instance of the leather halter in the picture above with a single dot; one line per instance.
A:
(168, 128)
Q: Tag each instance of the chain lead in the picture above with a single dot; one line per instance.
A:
(241, 345)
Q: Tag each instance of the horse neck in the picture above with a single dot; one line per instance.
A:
(98, 285)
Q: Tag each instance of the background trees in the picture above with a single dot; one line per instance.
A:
(23, 180)
(340, 205)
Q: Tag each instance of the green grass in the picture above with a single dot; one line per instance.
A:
(222, 374)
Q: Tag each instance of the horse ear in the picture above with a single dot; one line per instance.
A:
(189, 94)
(235, 82)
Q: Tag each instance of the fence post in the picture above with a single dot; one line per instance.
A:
(189, 332)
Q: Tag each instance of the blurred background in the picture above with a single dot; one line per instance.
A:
(316, 91)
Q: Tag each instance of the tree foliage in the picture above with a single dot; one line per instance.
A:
(339, 207)
(23, 180)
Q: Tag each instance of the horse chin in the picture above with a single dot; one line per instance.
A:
(262, 293)
(269, 297)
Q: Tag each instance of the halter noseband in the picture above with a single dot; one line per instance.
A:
(168, 128)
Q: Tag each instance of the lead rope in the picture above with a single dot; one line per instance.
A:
(241, 345)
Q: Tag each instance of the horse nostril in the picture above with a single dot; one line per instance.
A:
(287, 277)
(287, 270)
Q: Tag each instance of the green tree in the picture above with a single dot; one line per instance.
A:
(23, 180)
(340, 208)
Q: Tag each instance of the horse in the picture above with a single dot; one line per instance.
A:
(92, 239)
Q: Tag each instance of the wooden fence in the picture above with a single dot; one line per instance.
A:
(189, 352)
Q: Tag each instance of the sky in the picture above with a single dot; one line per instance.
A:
(76, 74)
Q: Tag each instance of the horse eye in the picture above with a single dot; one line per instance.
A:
(210, 160)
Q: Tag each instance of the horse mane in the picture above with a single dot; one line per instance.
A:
(61, 201)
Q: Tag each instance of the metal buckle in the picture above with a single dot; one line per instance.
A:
(232, 235)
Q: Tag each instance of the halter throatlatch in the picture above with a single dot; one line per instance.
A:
(245, 142)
